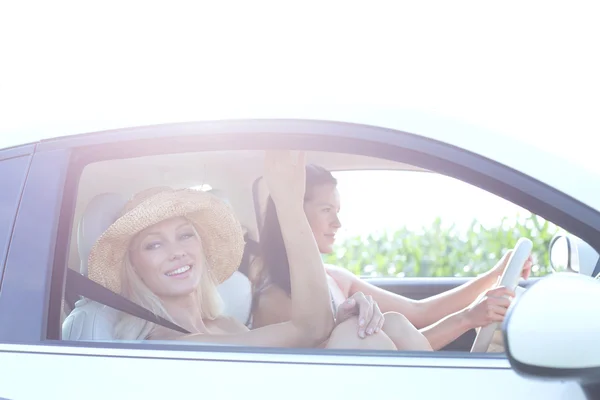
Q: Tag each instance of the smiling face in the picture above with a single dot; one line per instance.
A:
(322, 207)
(168, 257)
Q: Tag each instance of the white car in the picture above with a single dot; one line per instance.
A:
(59, 194)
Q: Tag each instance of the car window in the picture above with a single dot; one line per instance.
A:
(424, 224)
(12, 175)
(101, 196)
(398, 222)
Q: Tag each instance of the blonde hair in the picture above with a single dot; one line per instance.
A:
(128, 327)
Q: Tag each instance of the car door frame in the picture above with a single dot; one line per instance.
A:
(57, 165)
(16, 184)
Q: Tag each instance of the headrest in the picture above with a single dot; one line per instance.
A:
(99, 214)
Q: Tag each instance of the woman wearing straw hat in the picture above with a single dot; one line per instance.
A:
(171, 248)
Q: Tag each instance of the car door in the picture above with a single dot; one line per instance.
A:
(14, 165)
(33, 288)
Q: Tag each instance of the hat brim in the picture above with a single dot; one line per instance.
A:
(220, 232)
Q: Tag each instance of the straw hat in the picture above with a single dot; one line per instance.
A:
(219, 230)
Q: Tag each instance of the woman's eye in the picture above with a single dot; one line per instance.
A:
(187, 236)
(152, 246)
(328, 209)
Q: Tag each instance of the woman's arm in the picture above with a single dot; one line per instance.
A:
(284, 334)
(441, 325)
(311, 318)
(443, 304)
(387, 301)
(446, 330)
(492, 308)
(423, 313)
(436, 307)
(311, 313)
(420, 313)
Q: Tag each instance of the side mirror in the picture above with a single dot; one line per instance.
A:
(552, 331)
(568, 253)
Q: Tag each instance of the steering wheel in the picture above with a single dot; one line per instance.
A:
(510, 279)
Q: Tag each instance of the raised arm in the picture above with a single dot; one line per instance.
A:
(311, 310)
(311, 316)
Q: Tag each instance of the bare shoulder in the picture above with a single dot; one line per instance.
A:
(274, 306)
(342, 276)
(335, 270)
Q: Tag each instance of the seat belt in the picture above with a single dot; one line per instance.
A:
(87, 288)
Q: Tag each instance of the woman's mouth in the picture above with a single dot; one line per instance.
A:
(179, 271)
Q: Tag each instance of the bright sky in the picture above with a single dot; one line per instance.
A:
(372, 201)
(525, 68)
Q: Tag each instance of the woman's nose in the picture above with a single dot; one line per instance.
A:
(336, 222)
(177, 252)
(177, 256)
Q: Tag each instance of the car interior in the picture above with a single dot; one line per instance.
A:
(234, 176)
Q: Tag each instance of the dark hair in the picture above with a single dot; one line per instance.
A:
(276, 267)
(250, 249)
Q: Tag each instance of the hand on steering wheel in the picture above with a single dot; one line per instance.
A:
(512, 267)
(490, 307)
(500, 267)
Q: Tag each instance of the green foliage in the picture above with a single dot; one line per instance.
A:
(443, 251)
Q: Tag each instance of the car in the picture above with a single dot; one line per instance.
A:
(60, 193)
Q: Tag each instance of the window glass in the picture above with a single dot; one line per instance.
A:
(423, 224)
(394, 223)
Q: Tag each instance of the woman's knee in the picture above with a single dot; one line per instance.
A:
(403, 333)
(397, 321)
(345, 336)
